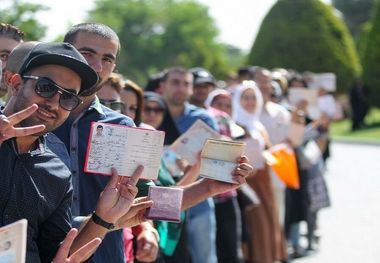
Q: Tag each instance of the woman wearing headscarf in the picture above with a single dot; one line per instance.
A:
(227, 210)
(267, 243)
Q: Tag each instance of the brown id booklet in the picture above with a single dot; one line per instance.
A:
(167, 203)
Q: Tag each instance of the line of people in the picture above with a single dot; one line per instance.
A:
(219, 223)
(52, 88)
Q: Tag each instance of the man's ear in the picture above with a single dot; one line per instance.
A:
(13, 81)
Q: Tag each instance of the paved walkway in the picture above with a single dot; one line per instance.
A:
(350, 229)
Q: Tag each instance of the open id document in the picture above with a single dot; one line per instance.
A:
(123, 148)
(218, 159)
(190, 144)
(13, 242)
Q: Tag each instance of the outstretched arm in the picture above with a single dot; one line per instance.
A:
(205, 188)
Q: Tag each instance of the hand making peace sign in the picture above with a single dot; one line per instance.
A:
(8, 124)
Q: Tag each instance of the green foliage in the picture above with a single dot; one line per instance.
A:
(156, 34)
(306, 35)
(371, 58)
(362, 40)
(355, 13)
(22, 15)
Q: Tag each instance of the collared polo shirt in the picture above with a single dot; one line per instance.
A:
(87, 186)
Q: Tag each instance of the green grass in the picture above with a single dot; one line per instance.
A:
(342, 129)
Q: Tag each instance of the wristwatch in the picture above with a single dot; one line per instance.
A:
(99, 221)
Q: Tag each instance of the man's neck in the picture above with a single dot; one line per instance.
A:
(197, 103)
(176, 110)
(26, 143)
(82, 107)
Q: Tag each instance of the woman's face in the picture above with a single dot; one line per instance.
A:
(153, 114)
(248, 100)
(129, 99)
(222, 103)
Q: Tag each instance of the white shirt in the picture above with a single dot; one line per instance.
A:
(276, 120)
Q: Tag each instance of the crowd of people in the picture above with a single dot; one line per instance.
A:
(52, 92)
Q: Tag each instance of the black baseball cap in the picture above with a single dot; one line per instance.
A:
(202, 76)
(29, 55)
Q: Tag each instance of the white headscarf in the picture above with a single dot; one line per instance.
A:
(249, 120)
(213, 94)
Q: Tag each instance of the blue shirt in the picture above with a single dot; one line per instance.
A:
(190, 115)
(87, 187)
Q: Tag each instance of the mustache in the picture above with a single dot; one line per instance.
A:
(48, 109)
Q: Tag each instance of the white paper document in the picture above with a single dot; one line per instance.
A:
(124, 148)
(218, 159)
(326, 81)
(190, 144)
(13, 242)
(296, 95)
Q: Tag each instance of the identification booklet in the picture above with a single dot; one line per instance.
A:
(190, 144)
(123, 148)
(297, 95)
(218, 159)
(167, 203)
(13, 242)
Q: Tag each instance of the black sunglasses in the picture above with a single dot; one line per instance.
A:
(112, 104)
(155, 110)
(46, 88)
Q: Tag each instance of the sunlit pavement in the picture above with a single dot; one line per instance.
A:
(350, 228)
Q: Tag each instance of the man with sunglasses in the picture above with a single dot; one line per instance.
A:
(35, 184)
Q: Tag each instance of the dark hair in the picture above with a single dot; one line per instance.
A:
(297, 77)
(168, 71)
(154, 81)
(115, 81)
(92, 28)
(10, 31)
(246, 72)
(138, 91)
(99, 127)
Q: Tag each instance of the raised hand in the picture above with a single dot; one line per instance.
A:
(7, 124)
(135, 215)
(118, 196)
(80, 255)
(242, 170)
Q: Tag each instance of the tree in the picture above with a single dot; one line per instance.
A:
(371, 58)
(306, 35)
(355, 13)
(22, 15)
(156, 34)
